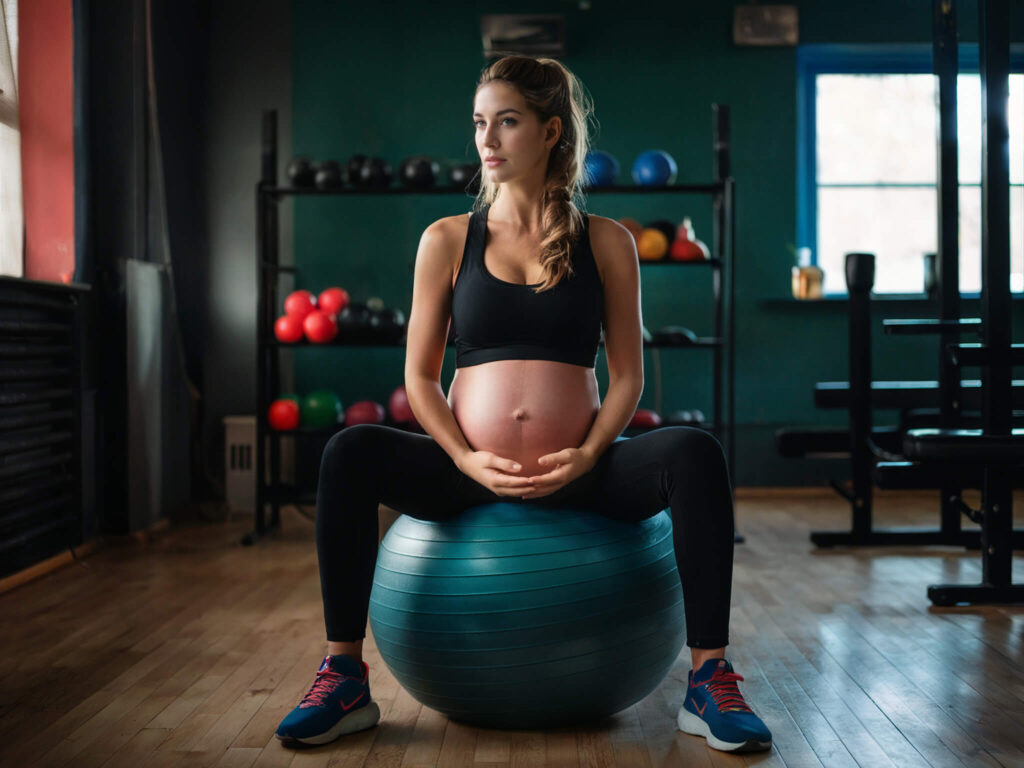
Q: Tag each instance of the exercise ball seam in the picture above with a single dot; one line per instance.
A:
(606, 543)
(568, 566)
(543, 588)
(515, 629)
(560, 659)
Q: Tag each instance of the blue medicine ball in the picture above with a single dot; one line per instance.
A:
(525, 616)
(601, 168)
(654, 168)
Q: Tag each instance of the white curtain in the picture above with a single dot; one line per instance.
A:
(12, 224)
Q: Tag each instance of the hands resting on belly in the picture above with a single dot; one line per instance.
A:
(502, 476)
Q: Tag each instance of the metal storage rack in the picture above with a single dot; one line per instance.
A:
(268, 198)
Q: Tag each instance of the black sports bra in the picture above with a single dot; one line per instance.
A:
(496, 320)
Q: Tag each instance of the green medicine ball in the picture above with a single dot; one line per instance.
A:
(321, 408)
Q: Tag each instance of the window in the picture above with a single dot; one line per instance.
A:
(12, 262)
(868, 162)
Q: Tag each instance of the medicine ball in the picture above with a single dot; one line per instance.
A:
(354, 169)
(375, 173)
(354, 322)
(301, 172)
(467, 176)
(654, 168)
(602, 168)
(387, 324)
(664, 226)
(418, 172)
(328, 175)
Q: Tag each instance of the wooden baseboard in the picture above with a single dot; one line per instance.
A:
(49, 565)
(147, 535)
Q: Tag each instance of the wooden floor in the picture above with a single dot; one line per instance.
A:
(188, 651)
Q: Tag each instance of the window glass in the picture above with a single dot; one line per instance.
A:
(876, 128)
(876, 173)
(11, 224)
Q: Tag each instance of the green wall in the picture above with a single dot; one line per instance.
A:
(397, 79)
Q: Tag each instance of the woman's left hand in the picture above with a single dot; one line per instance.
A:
(568, 464)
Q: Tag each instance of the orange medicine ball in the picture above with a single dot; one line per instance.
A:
(652, 244)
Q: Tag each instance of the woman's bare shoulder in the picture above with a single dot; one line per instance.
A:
(441, 244)
(450, 229)
(611, 243)
(605, 230)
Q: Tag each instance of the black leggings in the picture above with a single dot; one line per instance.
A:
(682, 468)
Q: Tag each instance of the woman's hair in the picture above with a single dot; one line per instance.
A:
(550, 89)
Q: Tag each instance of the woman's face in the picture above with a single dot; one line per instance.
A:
(507, 129)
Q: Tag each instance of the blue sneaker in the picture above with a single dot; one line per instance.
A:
(714, 708)
(338, 702)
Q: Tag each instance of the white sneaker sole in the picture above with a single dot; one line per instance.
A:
(360, 720)
(693, 725)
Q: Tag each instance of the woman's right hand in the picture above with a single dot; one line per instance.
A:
(494, 473)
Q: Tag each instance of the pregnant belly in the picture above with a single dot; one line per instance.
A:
(524, 409)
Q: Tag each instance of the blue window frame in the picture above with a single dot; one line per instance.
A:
(816, 59)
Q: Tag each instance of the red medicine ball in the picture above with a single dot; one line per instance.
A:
(288, 329)
(320, 327)
(332, 300)
(399, 408)
(283, 414)
(645, 418)
(299, 303)
(364, 412)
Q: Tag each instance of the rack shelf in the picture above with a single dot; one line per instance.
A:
(268, 196)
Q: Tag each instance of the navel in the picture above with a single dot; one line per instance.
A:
(519, 414)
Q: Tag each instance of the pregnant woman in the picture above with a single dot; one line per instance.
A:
(526, 281)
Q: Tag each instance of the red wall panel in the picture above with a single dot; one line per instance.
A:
(47, 137)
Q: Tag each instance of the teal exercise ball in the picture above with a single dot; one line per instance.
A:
(525, 616)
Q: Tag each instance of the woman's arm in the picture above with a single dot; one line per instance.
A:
(615, 253)
(427, 336)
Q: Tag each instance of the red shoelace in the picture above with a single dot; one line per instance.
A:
(722, 687)
(326, 681)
